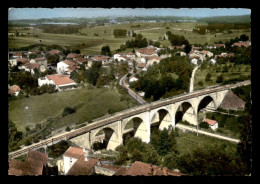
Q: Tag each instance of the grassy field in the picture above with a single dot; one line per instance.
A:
(105, 36)
(233, 73)
(187, 142)
(43, 107)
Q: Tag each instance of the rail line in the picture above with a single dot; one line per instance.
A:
(105, 120)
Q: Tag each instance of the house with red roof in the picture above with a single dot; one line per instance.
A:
(213, 124)
(242, 44)
(218, 45)
(66, 67)
(54, 51)
(151, 59)
(78, 161)
(147, 51)
(35, 164)
(14, 90)
(40, 60)
(61, 82)
(142, 169)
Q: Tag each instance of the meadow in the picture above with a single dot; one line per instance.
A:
(90, 44)
(233, 73)
(90, 103)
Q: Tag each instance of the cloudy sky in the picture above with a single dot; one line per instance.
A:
(37, 13)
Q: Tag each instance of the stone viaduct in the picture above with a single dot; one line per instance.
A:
(140, 119)
(163, 113)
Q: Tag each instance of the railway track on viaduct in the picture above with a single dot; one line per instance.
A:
(124, 114)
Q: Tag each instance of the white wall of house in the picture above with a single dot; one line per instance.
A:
(214, 127)
(68, 163)
(194, 61)
(45, 81)
(133, 79)
(13, 62)
(151, 61)
(213, 61)
(62, 67)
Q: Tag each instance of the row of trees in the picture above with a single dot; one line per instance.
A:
(179, 40)
(219, 27)
(139, 42)
(118, 33)
(58, 29)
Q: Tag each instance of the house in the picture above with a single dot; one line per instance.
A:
(54, 51)
(30, 67)
(142, 169)
(142, 66)
(19, 55)
(21, 61)
(14, 90)
(242, 44)
(104, 59)
(66, 67)
(218, 45)
(194, 61)
(41, 61)
(147, 51)
(212, 123)
(232, 101)
(79, 161)
(206, 53)
(35, 164)
(213, 61)
(130, 55)
(132, 79)
(121, 57)
(34, 52)
(151, 59)
(61, 82)
(74, 56)
(195, 48)
(180, 53)
(177, 47)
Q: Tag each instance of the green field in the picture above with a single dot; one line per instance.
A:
(43, 107)
(231, 74)
(105, 36)
(189, 141)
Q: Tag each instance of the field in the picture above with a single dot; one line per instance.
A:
(43, 107)
(231, 74)
(93, 44)
(187, 142)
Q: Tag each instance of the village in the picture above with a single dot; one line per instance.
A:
(129, 97)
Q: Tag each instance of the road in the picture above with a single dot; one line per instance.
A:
(131, 92)
(193, 129)
(192, 78)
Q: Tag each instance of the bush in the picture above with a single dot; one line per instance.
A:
(27, 142)
(220, 79)
(68, 110)
(204, 125)
(67, 129)
(200, 83)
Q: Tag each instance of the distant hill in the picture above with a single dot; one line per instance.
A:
(226, 19)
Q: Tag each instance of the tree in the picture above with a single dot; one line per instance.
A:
(204, 125)
(105, 50)
(243, 37)
(118, 33)
(92, 73)
(53, 59)
(208, 77)
(220, 79)
(187, 48)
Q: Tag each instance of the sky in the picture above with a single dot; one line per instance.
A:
(38, 13)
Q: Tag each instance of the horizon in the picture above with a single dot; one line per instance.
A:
(48, 13)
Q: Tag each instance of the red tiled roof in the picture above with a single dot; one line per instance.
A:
(196, 48)
(54, 52)
(177, 47)
(209, 121)
(33, 164)
(240, 44)
(82, 167)
(15, 88)
(32, 66)
(141, 65)
(19, 54)
(204, 52)
(219, 45)
(101, 58)
(121, 172)
(59, 79)
(74, 152)
(153, 57)
(22, 60)
(73, 55)
(147, 51)
(69, 62)
(143, 169)
(82, 60)
(40, 59)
